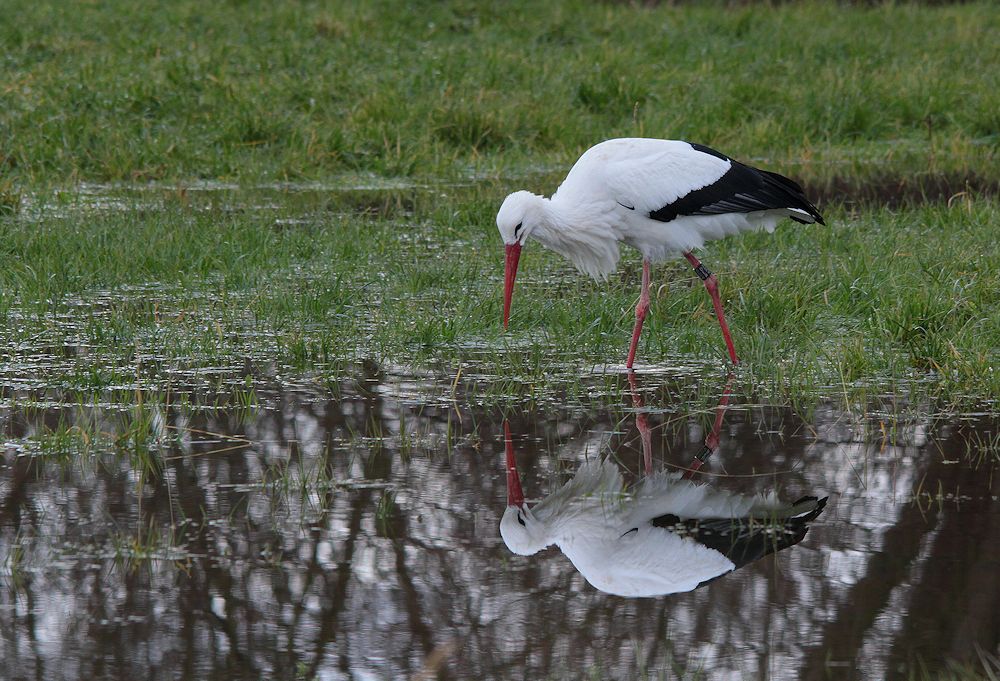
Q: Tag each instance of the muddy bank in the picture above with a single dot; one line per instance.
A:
(899, 191)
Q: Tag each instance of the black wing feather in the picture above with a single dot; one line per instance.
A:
(742, 189)
(744, 540)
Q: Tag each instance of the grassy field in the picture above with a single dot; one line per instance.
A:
(256, 91)
(192, 250)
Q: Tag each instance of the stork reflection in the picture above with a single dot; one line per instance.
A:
(666, 534)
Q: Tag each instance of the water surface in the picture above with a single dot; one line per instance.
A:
(350, 530)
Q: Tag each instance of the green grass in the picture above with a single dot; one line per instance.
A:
(887, 298)
(447, 107)
(256, 91)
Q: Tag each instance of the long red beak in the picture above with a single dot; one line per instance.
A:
(509, 272)
(515, 497)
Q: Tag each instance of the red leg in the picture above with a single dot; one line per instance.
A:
(712, 441)
(712, 285)
(640, 313)
(642, 424)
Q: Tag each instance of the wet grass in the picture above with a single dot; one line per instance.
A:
(897, 300)
(255, 91)
(172, 275)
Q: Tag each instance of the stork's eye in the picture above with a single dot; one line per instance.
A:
(516, 230)
(519, 518)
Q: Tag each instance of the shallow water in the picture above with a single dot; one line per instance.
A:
(374, 196)
(210, 513)
(351, 531)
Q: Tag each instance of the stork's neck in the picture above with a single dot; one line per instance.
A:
(584, 232)
(592, 494)
(563, 216)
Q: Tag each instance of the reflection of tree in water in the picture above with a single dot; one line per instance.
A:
(930, 594)
(287, 561)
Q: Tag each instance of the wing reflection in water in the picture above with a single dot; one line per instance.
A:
(666, 534)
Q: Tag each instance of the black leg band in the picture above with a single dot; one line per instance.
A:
(702, 271)
(704, 453)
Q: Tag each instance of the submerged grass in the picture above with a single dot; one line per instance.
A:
(901, 299)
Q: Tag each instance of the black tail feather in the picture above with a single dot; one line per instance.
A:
(793, 191)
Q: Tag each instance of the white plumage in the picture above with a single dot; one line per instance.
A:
(662, 197)
(619, 539)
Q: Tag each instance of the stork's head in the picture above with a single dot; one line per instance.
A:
(521, 531)
(518, 216)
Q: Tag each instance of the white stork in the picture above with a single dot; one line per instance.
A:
(662, 197)
(666, 535)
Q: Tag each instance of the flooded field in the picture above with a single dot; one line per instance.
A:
(272, 434)
(261, 418)
(351, 531)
